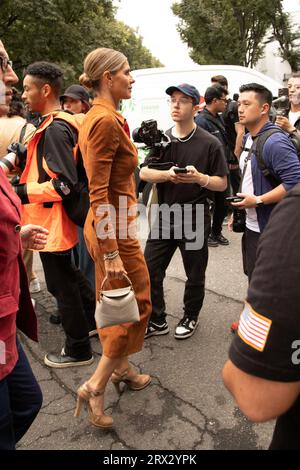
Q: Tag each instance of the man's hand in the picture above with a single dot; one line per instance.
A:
(33, 237)
(249, 201)
(284, 123)
(192, 176)
(20, 151)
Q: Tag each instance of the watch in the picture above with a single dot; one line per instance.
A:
(259, 201)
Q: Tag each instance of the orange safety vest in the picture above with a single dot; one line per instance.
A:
(62, 231)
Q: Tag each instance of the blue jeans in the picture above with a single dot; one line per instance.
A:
(20, 401)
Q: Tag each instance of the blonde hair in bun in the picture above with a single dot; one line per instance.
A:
(85, 81)
(99, 61)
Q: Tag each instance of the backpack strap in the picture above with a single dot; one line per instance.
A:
(22, 133)
(260, 141)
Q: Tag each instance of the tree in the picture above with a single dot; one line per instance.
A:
(125, 39)
(287, 37)
(224, 31)
(64, 32)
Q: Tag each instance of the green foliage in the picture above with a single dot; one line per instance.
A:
(287, 37)
(64, 31)
(225, 31)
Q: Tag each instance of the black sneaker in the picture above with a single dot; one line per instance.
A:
(185, 328)
(211, 241)
(153, 329)
(61, 360)
(220, 239)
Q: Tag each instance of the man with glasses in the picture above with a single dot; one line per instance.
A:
(198, 167)
(211, 120)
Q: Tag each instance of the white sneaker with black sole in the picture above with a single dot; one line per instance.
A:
(185, 328)
(154, 329)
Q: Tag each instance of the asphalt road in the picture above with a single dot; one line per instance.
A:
(185, 407)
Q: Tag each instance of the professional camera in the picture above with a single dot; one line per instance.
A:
(20, 151)
(150, 135)
(155, 141)
(239, 220)
(280, 104)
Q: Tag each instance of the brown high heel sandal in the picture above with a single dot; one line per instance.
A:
(84, 393)
(135, 382)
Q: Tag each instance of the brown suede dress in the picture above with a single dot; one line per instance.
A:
(110, 159)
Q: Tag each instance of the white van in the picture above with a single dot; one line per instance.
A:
(149, 100)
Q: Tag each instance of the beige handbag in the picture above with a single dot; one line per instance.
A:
(116, 306)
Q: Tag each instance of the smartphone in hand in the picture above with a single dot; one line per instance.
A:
(178, 170)
(233, 199)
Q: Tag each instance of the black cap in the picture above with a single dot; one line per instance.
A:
(77, 92)
(187, 89)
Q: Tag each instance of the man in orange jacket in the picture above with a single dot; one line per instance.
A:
(50, 178)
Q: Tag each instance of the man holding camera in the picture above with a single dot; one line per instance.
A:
(289, 121)
(197, 166)
(258, 195)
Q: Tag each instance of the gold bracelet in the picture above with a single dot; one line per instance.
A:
(207, 182)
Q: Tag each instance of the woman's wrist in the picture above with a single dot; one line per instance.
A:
(110, 256)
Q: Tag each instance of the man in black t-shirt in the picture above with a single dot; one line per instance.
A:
(198, 166)
(263, 372)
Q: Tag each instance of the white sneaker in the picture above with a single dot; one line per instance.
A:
(186, 328)
(34, 286)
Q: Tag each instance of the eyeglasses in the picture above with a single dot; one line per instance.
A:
(222, 99)
(180, 101)
(5, 63)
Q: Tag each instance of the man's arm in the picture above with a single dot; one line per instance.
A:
(259, 399)
(271, 197)
(154, 176)
(213, 183)
(58, 162)
(240, 132)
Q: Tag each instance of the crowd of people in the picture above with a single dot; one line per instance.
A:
(67, 190)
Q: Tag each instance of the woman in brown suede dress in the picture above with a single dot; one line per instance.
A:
(110, 159)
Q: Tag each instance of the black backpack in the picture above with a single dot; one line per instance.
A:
(259, 145)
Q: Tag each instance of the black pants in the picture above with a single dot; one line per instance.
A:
(250, 241)
(158, 254)
(220, 211)
(20, 401)
(75, 297)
